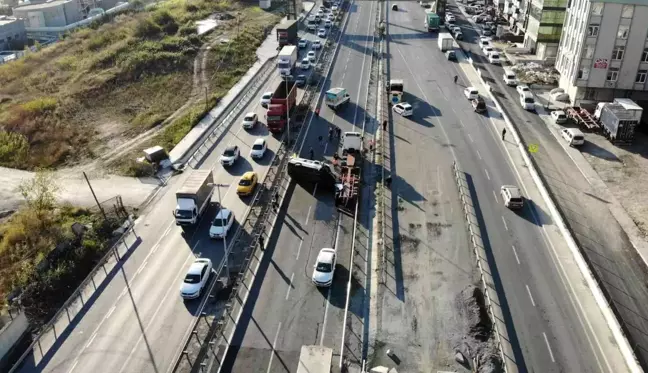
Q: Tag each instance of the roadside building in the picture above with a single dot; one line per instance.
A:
(603, 51)
(12, 33)
(56, 13)
(541, 22)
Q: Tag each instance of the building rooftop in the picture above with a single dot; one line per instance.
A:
(4, 20)
(624, 2)
(45, 5)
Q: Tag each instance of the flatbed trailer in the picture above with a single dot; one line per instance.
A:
(348, 188)
(583, 118)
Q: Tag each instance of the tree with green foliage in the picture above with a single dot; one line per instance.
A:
(39, 192)
(14, 148)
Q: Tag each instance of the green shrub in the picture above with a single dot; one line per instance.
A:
(166, 22)
(147, 29)
(40, 105)
(188, 29)
(14, 148)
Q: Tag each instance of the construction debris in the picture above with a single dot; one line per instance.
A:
(534, 73)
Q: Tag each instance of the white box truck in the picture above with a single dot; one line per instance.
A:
(445, 41)
(315, 359)
(287, 59)
(336, 97)
(193, 197)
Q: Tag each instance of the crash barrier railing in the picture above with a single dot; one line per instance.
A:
(372, 117)
(76, 303)
(231, 112)
(259, 223)
(222, 122)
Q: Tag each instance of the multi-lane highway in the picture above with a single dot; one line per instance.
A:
(288, 310)
(540, 312)
(137, 323)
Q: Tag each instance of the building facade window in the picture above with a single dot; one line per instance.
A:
(623, 31)
(592, 30)
(583, 73)
(617, 52)
(641, 76)
(644, 55)
(589, 51)
(627, 11)
(597, 9)
(613, 74)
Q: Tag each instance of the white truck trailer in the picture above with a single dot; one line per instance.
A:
(315, 359)
(193, 197)
(287, 59)
(446, 41)
(335, 97)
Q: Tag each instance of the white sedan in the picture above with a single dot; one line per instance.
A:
(303, 43)
(471, 93)
(317, 44)
(265, 98)
(258, 149)
(324, 267)
(403, 109)
(250, 120)
(321, 33)
(230, 155)
(312, 55)
(221, 224)
(196, 278)
(523, 88)
(305, 64)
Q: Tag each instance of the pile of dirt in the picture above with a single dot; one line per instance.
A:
(535, 73)
(478, 343)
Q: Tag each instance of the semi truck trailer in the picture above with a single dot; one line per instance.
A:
(193, 197)
(287, 59)
(282, 102)
(287, 33)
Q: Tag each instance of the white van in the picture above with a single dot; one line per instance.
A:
(527, 101)
(351, 142)
(573, 136)
(494, 58)
(509, 77)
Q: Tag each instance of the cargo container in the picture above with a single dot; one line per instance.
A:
(446, 41)
(287, 33)
(432, 20)
(287, 59)
(619, 120)
(282, 102)
(193, 197)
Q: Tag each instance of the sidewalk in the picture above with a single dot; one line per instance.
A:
(579, 281)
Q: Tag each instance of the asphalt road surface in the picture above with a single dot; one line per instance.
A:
(539, 313)
(288, 310)
(138, 322)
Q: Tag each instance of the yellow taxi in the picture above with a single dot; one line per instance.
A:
(247, 184)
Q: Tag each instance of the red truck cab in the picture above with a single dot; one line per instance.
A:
(283, 101)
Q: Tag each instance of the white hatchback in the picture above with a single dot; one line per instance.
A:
(321, 33)
(312, 55)
(250, 120)
(258, 149)
(221, 224)
(305, 64)
(317, 44)
(471, 93)
(403, 109)
(324, 267)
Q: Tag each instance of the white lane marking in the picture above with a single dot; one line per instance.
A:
(487, 175)
(301, 241)
(461, 122)
(495, 195)
(364, 57)
(530, 296)
(140, 268)
(110, 312)
(548, 347)
(292, 277)
(478, 154)
(308, 215)
(73, 365)
(328, 295)
(155, 248)
(505, 226)
(274, 345)
(325, 146)
(517, 259)
(471, 139)
(91, 340)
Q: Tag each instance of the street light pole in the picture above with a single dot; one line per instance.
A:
(223, 221)
(287, 115)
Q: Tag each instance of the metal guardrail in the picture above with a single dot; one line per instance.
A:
(257, 222)
(231, 112)
(112, 254)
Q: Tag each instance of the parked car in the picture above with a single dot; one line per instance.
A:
(451, 55)
(321, 33)
(403, 109)
(471, 93)
(494, 58)
(559, 116)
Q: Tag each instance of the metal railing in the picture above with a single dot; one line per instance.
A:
(86, 289)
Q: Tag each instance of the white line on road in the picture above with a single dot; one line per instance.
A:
(505, 226)
(73, 365)
(495, 195)
(487, 175)
(91, 340)
(140, 268)
(549, 347)
(461, 122)
(110, 312)
(155, 248)
(274, 344)
(471, 139)
(517, 259)
(530, 296)
(299, 249)
(292, 277)
(308, 215)
(325, 147)
(478, 154)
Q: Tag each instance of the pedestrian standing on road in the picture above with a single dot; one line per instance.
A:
(261, 245)
(338, 131)
(311, 152)
(455, 79)
(321, 140)
(384, 126)
(330, 133)
(503, 133)
(317, 112)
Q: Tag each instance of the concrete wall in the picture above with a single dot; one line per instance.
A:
(55, 14)
(11, 31)
(10, 334)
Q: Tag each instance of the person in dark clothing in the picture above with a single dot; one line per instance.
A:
(503, 133)
(330, 133)
(339, 132)
(261, 243)
(311, 152)
(317, 112)
(384, 125)
(455, 79)
(388, 181)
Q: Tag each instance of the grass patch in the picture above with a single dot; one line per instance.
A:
(112, 81)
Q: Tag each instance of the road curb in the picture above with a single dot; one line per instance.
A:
(608, 314)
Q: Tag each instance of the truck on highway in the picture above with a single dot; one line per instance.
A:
(193, 197)
(445, 41)
(432, 20)
(395, 89)
(347, 189)
(282, 102)
(287, 33)
(335, 97)
(351, 142)
(315, 359)
(287, 59)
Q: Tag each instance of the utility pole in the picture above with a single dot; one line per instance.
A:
(95, 196)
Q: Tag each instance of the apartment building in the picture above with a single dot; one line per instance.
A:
(603, 51)
(541, 21)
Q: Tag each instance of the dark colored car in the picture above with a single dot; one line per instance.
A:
(300, 81)
(451, 55)
(479, 105)
(394, 7)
